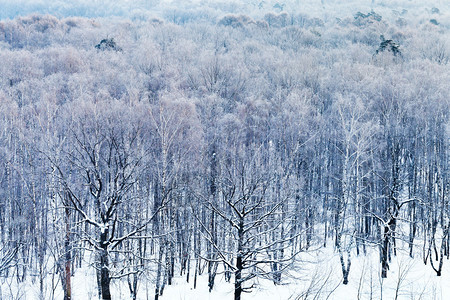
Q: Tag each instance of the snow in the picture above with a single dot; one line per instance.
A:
(316, 275)
(320, 277)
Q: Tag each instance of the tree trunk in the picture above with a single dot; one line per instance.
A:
(239, 265)
(68, 258)
(158, 272)
(384, 253)
(237, 279)
(132, 285)
(345, 269)
(105, 278)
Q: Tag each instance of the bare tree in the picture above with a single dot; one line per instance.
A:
(103, 160)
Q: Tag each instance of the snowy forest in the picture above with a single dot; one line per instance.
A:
(224, 150)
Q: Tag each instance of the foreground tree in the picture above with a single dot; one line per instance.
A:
(103, 158)
(255, 221)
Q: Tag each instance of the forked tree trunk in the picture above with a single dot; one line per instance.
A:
(345, 268)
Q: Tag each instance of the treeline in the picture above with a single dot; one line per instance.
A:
(159, 150)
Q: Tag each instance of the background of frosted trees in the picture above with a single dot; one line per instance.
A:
(223, 146)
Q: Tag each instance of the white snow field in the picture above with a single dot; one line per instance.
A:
(317, 275)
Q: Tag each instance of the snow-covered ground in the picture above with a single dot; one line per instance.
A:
(319, 276)
(316, 275)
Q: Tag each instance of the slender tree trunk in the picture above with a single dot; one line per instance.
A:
(68, 258)
(159, 269)
(412, 228)
(212, 265)
(385, 250)
(239, 265)
(132, 285)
